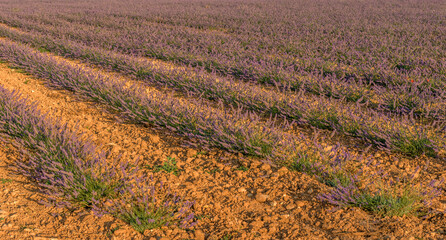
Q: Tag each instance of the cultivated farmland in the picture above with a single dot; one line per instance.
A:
(162, 119)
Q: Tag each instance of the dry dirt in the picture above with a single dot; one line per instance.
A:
(260, 203)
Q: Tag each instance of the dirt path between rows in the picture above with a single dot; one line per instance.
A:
(236, 197)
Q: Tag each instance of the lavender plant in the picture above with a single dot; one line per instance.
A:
(386, 196)
(147, 211)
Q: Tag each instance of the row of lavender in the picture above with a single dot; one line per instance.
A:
(418, 95)
(390, 47)
(71, 170)
(398, 134)
(404, 99)
(232, 130)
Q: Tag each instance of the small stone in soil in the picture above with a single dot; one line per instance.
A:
(3, 214)
(283, 170)
(191, 152)
(265, 167)
(119, 232)
(290, 206)
(199, 235)
(195, 174)
(261, 197)
(155, 139)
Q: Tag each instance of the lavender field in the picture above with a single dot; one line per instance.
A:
(344, 92)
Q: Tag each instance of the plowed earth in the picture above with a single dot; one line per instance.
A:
(237, 197)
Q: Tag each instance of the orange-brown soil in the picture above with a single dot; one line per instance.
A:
(260, 203)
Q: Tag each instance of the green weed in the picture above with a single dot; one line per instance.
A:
(169, 166)
(4, 180)
(242, 168)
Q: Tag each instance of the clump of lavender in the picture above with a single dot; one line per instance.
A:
(386, 196)
(146, 204)
(72, 172)
(329, 167)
